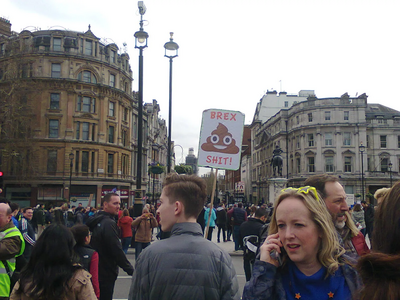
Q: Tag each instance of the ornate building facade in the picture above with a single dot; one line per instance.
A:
(71, 95)
(345, 136)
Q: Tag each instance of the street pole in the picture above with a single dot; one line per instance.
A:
(140, 43)
(362, 149)
(173, 48)
(71, 159)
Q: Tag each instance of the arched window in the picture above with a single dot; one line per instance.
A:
(87, 76)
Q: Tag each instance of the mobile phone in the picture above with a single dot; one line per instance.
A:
(275, 255)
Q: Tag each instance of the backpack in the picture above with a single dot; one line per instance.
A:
(251, 245)
(263, 236)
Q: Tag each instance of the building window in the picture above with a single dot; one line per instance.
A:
(111, 109)
(87, 76)
(346, 116)
(76, 161)
(286, 103)
(346, 139)
(347, 164)
(328, 139)
(93, 162)
(398, 141)
(327, 116)
(52, 161)
(85, 161)
(297, 120)
(310, 137)
(111, 134)
(56, 44)
(78, 130)
(112, 80)
(54, 101)
(85, 131)
(53, 128)
(384, 165)
(125, 164)
(298, 165)
(349, 189)
(93, 132)
(86, 104)
(297, 142)
(311, 164)
(112, 56)
(329, 164)
(310, 117)
(110, 164)
(88, 47)
(125, 115)
(56, 70)
(383, 141)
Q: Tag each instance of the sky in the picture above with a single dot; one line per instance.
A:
(231, 52)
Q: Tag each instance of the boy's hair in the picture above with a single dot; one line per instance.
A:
(80, 232)
(191, 190)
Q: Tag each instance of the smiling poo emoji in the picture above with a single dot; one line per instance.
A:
(221, 141)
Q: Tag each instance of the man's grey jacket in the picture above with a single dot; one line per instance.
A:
(184, 266)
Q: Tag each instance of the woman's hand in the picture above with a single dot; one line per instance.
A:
(272, 243)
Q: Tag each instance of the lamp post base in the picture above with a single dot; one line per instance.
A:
(138, 205)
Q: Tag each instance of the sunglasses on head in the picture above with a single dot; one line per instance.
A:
(304, 190)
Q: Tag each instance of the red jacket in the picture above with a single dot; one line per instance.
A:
(359, 244)
(125, 223)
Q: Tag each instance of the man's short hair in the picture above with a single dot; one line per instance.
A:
(260, 212)
(319, 181)
(107, 197)
(25, 209)
(240, 204)
(191, 190)
(14, 206)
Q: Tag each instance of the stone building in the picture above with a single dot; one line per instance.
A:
(83, 118)
(238, 182)
(157, 141)
(344, 136)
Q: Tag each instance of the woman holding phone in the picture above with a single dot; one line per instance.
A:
(301, 258)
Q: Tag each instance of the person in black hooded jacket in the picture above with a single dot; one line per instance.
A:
(105, 240)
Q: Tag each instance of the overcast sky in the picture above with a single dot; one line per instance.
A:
(232, 52)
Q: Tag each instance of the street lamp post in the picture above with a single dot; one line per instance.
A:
(390, 171)
(259, 188)
(140, 43)
(362, 149)
(71, 159)
(171, 51)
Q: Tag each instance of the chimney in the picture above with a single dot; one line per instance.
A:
(5, 27)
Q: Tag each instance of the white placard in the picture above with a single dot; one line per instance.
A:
(221, 139)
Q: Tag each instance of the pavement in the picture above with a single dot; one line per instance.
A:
(228, 246)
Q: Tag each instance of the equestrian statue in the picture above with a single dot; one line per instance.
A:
(277, 161)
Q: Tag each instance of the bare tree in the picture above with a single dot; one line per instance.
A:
(18, 93)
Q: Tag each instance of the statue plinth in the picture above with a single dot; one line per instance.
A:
(276, 185)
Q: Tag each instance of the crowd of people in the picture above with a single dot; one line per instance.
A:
(310, 245)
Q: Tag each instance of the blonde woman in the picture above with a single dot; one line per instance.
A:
(301, 258)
